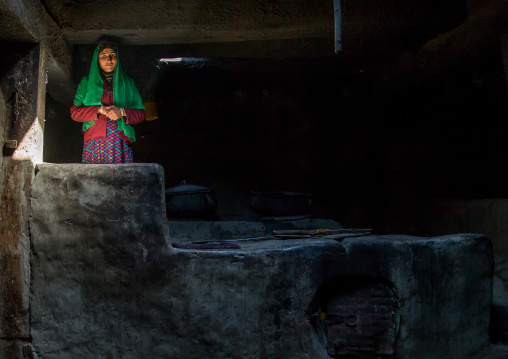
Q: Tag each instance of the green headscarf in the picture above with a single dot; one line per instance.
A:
(125, 93)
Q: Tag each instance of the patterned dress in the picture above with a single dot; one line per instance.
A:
(111, 150)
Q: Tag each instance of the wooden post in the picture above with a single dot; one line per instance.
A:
(338, 26)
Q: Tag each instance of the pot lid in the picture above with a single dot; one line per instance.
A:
(187, 189)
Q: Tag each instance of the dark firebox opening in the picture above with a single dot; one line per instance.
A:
(371, 147)
(356, 317)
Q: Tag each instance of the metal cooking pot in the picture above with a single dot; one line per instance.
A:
(190, 201)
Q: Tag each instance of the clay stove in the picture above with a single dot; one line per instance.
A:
(108, 284)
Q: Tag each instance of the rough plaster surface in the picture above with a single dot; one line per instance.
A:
(422, 38)
(14, 349)
(105, 284)
(33, 17)
(21, 82)
(27, 21)
(367, 26)
(13, 28)
(487, 216)
(15, 249)
(3, 124)
(106, 202)
(197, 21)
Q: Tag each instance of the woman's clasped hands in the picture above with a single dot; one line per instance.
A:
(112, 112)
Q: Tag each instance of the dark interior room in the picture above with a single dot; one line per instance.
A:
(387, 116)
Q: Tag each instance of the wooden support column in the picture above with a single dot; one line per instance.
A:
(29, 36)
(22, 121)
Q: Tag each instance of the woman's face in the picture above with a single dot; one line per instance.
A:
(107, 60)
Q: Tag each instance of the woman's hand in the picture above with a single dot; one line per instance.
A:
(112, 112)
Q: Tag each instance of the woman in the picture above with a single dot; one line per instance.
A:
(108, 103)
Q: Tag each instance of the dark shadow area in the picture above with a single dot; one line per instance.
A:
(356, 317)
(12, 53)
(341, 131)
(63, 139)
